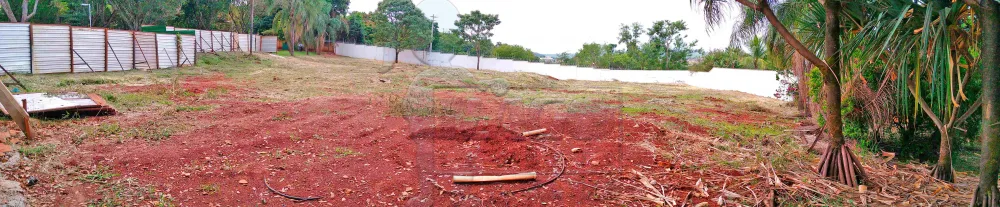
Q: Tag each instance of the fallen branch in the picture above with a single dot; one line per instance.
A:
(479, 179)
(297, 199)
(533, 132)
(562, 168)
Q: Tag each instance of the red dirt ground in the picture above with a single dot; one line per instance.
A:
(351, 152)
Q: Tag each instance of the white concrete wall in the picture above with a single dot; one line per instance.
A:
(757, 82)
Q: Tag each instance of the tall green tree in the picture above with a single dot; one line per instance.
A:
(628, 35)
(358, 28)
(336, 23)
(293, 18)
(564, 58)
(477, 28)
(201, 14)
(838, 161)
(451, 42)
(986, 192)
(757, 50)
(400, 26)
(135, 13)
(663, 34)
(316, 24)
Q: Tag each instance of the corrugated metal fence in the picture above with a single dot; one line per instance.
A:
(41, 48)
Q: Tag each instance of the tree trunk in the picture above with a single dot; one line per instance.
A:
(666, 61)
(479, 56)
(397, 55)
(986, 193)
(319, 45)
(838, 161)
(943, 169)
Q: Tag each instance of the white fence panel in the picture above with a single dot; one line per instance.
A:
(256, 43)
(88, 50)
(119, 50)
(187, 54)
(15, 42)
(216, 38)
(243, 42)
(269, 44)
(227, 41)
(204, 41)
(145, 51)
(166, 49)
(50, 49)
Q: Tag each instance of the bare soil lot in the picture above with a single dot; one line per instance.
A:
(366, 133)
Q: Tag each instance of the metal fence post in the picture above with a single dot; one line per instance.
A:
(72, 61)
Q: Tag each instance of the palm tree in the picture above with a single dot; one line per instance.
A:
(838, 161)
(930, 48)
(757, 51)
(986, 193)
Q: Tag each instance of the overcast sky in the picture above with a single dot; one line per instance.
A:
(555, 26)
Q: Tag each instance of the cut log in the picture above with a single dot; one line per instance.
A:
(479, 179)
(534, 132)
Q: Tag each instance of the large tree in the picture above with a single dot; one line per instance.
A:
(400, 26)
(201, 14)
(989, 17)
(477, 28)
(838, 161)
(757, 51)
(336, 24)
(663, 34)
(135, 13)
(293, 18)
(26, 14)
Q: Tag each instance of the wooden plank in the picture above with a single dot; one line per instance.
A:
(72, 60)
(133, 49)
(31, 49)
(156, 51)
(179, 42)
(16, 111)
(106, 45)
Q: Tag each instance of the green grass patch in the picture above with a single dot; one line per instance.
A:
(101, 174)
(131, 101)
(192, 108)
(285, 53)
(215, 92)
(84, 81)
(635, 110)
(37, 151)
(109, 128)
(208, 188)
(345, 152)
